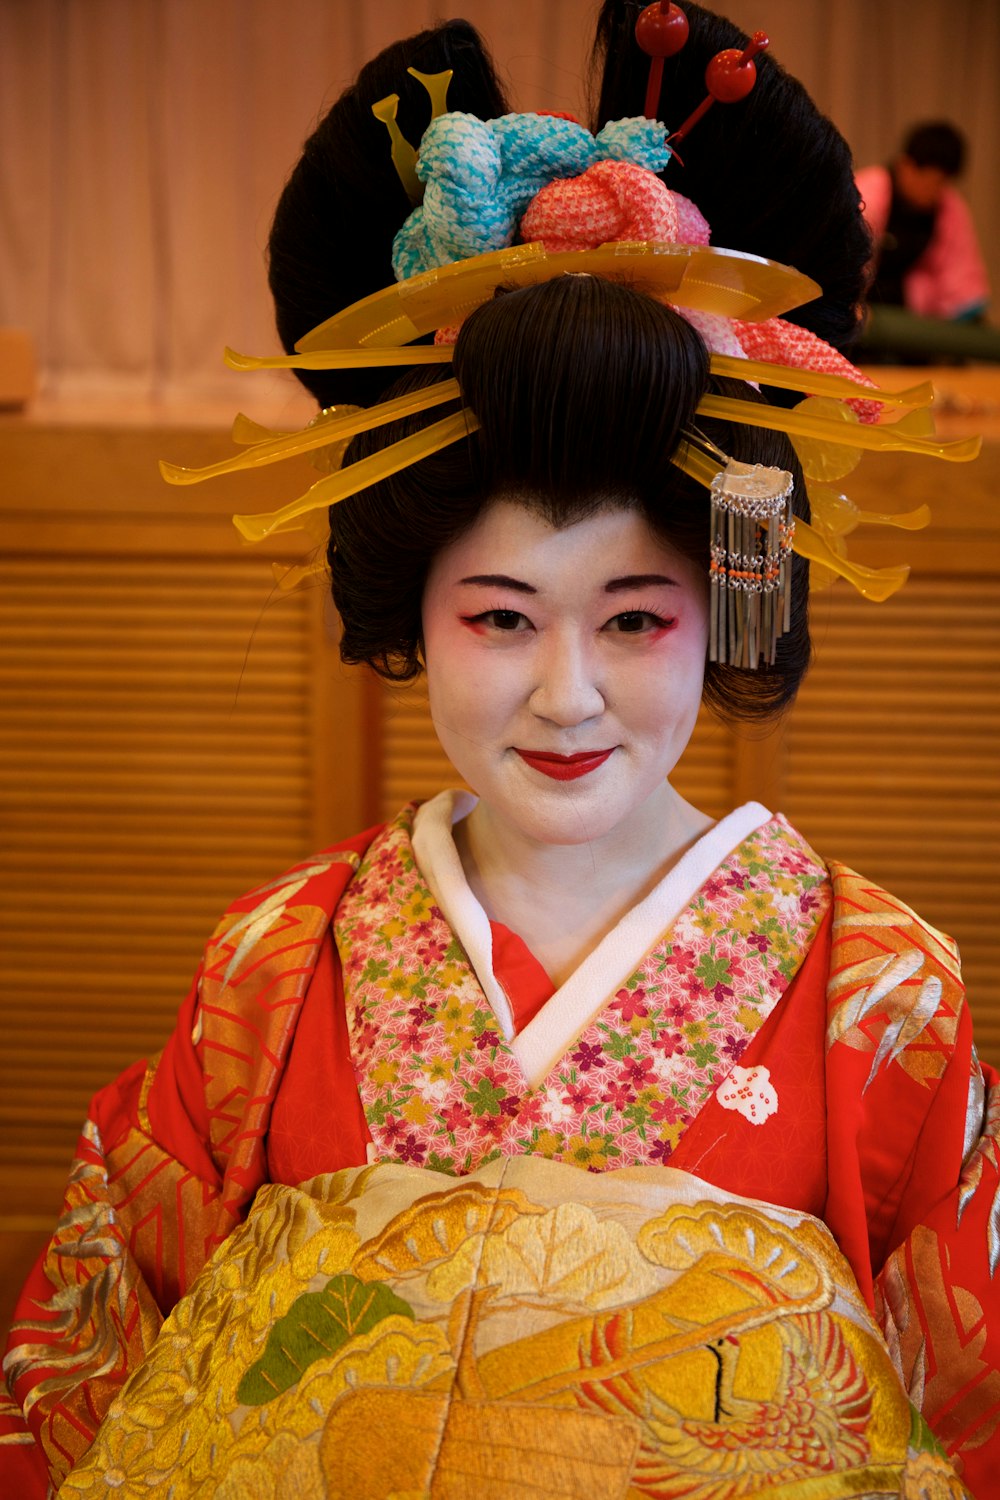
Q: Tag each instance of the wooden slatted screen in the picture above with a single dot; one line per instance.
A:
(155, 778)
(893, 763)
(171, 735)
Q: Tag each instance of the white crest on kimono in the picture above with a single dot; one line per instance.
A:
(750, 1092)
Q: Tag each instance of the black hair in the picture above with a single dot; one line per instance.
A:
(331, 239)
(936, 143)
(581, 387)
(771, 174)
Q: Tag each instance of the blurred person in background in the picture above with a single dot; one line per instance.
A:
(927, 257)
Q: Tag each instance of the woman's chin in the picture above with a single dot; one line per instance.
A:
(567, 813)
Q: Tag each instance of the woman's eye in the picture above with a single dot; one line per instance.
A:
(638, 621)
(501, 619)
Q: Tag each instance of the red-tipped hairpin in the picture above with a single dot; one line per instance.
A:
(729, 77)
(661, 30)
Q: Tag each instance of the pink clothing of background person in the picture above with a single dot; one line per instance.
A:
(949, 279)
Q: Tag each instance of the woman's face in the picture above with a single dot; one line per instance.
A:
(565, 668)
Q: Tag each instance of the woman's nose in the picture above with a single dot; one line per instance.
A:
(567, 690)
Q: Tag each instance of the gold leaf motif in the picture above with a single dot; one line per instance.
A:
(814, 1416)
(566, 1256)
(309, 1214)
(875, 976)
(786, 1270)
(395, 1354)
(705, 1364)
(930, 1477)
(928, 1310)
(286, 1467)
(329, 1250)
(434, 1227)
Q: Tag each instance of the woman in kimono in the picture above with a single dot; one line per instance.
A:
(568, 967)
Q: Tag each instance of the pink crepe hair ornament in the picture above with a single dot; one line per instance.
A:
(779, 342)
(692, 226)
(718, 332)
(611, 200)
(621, 201)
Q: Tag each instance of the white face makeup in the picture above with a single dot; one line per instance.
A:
(565, 669)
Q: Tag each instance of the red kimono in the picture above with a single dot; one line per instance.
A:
(797, 1036)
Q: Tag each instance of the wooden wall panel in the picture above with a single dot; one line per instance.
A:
(893, 760)
(172, 776)
(172, 734)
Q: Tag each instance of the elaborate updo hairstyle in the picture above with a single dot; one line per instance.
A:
(581, 386)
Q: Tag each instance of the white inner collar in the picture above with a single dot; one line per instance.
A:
(574, 1005)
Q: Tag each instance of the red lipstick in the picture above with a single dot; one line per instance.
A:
(565, 767)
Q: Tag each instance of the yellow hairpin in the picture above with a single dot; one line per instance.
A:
(404, 156)
(359, 476)
(329, 430)
(378, 331)
(696, 276)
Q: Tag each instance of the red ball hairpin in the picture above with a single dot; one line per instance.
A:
(661, 31)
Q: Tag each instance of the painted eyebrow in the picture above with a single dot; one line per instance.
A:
(638, 581)
(615, 586)
(500, 581)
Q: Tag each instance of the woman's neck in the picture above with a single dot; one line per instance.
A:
(562, 899)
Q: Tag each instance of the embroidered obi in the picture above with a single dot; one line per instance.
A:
(440, 1087)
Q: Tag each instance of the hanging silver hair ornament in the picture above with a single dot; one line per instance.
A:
(751, 566)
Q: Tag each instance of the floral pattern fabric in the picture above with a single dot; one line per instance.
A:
(442, 1089)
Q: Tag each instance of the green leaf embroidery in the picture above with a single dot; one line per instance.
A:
(316, 1325)
(619, 1045)
(922, 1439)
(380, 1107)
(485, 1098)
(712, 971)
